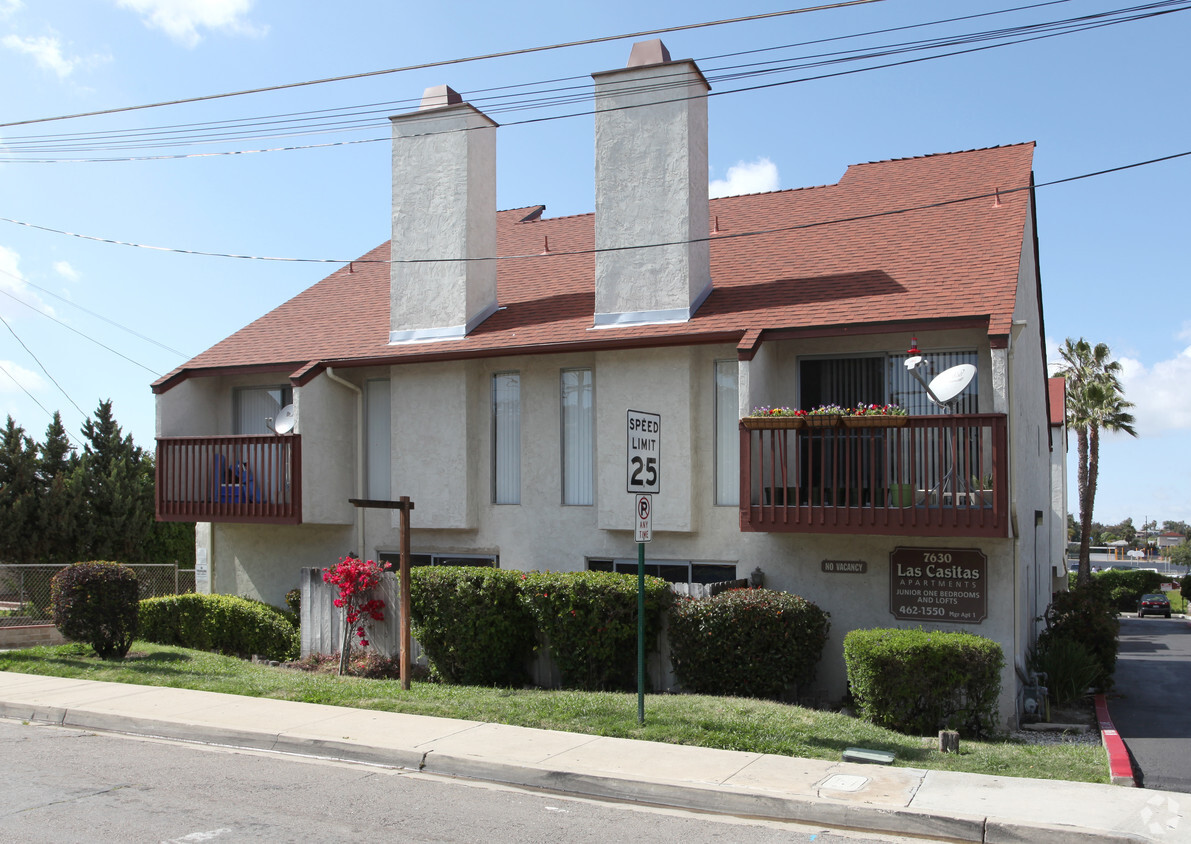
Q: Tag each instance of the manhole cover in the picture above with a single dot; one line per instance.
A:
(845, 782)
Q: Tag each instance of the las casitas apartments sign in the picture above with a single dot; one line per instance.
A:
(938, 584)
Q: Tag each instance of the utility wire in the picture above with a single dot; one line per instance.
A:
(80, 333)
(446, 62)
(388, 106)
(98, 316)
(61, 389)
(592, 251)
(1048, 29)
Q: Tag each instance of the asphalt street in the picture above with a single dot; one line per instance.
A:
(1151, 700)
(69, 785)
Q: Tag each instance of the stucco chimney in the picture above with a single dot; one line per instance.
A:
(651, 188)
(444, 207)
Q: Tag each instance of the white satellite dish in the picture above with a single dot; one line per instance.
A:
(948, 384)
(286, 420)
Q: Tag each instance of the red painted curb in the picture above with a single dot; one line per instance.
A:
(1120, 769)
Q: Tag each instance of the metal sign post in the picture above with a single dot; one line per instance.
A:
(643, 532)
(644, 479)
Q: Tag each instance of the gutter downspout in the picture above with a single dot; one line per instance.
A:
(359, 455)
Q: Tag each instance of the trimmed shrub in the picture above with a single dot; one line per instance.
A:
(1071, 669)
(1086, 616)
(221, 623)
(746, 642)
(590, 621)
(919, 682)
(1125, 588)
(96, 603)
(472, 623)
(293, 600)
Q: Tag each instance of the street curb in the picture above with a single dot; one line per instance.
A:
(710, 798)
(1120, 769)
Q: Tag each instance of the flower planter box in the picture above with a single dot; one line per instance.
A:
(771, 422)
(875, 421)
(824, 420)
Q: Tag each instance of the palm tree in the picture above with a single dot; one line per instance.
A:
(1095, 402)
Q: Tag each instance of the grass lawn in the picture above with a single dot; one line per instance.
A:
(729, 723)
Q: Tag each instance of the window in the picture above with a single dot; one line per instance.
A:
(878, 380)
(251, 406)
(415, 560)
(378, 439)
(672, 571)
(727, 436)
(578, 420)
(506, 438)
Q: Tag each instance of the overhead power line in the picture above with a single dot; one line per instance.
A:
(204, 134)
(445, 62)
(29, 351)
(558, 253)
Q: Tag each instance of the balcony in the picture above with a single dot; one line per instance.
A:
(250, 479)
(937, 476)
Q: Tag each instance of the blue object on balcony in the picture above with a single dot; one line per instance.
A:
(240, 486)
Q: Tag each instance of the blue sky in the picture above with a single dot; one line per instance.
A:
(103, 319)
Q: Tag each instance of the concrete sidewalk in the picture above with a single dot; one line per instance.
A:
(905, 801)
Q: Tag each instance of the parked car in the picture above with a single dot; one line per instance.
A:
(1153, 605)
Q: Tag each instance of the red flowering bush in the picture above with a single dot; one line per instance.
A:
(356, 579)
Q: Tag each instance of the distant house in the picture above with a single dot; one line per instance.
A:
(484, 364)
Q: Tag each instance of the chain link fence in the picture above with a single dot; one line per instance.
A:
(25, 589)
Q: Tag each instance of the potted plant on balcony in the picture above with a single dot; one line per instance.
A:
(876, 416)
(825, 416)
(774, 417)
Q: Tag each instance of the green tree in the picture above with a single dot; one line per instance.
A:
(1180, 555)
(18, 493)
(54, 534)
(1169, 526)
(1095, 402)
(110, 477)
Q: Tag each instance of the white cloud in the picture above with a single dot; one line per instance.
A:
(27, 378)
(182, 20)
(64, 269)
(1160, 393)
(9, 7)
(46, 51)
(753, 177)
(12, 282)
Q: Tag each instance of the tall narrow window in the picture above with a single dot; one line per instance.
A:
(378, 438)
(251, 406)
(727, 435)
(578, 420)
(506, 438)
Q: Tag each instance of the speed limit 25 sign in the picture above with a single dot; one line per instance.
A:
(645, 452)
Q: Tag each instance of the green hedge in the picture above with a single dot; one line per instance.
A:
(746, 642)
(1086, 616)
(589, 619)
(472, 623)
(221, 623)
(1125, 588)
(919, 682)
(96, 603)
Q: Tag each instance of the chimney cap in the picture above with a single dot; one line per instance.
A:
(647, 53)
(438, 96)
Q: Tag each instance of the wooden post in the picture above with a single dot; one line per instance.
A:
(406, 506)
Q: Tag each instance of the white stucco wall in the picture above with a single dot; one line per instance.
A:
(651, 187)
(433, 442)
(326, 419)
(442, 458)
(444, 205)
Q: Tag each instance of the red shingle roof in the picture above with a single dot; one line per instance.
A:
(898, 240)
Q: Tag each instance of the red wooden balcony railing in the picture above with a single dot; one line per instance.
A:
(936, 476)
(230, 479)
